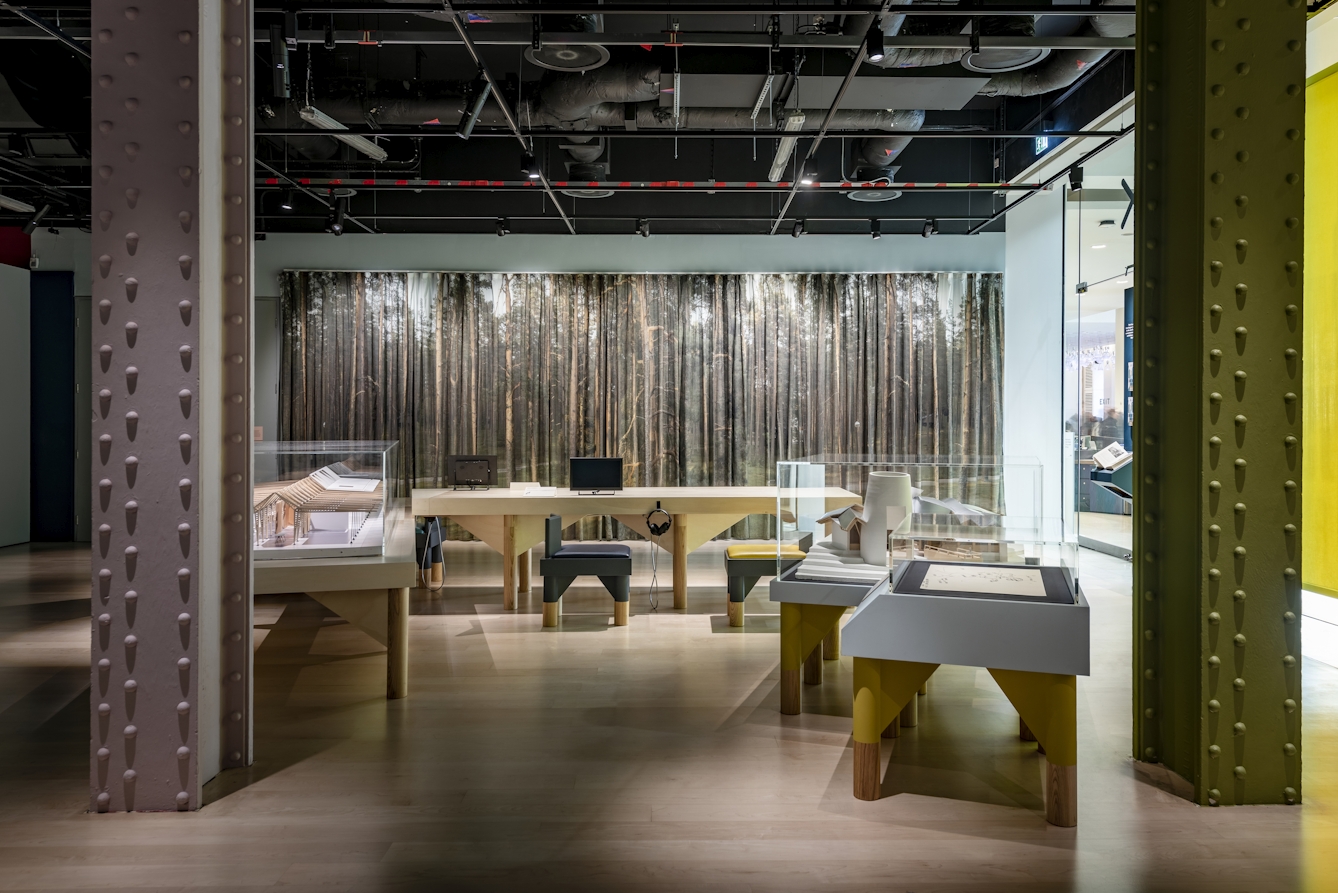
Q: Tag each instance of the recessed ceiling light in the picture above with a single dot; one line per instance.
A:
(1097, 247)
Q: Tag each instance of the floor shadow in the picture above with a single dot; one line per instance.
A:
(280, 660)
(752, 623)
(579, 623)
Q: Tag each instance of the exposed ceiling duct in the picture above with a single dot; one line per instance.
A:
(570, 57)
(615, 96)
(996, 60)
(1017, 72)
(1063, 67)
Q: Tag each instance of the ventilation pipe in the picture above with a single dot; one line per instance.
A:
(1063, 67)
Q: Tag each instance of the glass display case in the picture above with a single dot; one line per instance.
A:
(324, 499)
(893, 511)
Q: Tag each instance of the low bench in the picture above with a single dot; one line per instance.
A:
(561, 565)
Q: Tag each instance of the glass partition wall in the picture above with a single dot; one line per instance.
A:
(1098, 353)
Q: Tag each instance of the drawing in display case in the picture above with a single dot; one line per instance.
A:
(913, 513)
(324, 499)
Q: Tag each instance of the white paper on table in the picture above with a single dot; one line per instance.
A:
(1025, 581)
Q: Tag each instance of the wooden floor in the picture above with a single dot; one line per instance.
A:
(645, 758)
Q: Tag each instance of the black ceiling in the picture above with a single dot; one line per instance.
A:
(51, 84)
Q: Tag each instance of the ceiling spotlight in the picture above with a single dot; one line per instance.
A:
(1075, 178)
(482, 90)
(931, 228)
(876, 228)
(798, 229)
(874, 41)
(808, 176)
(503, 227)
(529, 166)
(643, 228)
(286, 203)
(317, 118)
(31, 225)
(334, 224)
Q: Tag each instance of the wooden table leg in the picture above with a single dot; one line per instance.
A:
(735, 611)
(523, 571)
(680, 532)
(397, 649)
(1061, 795)
(552, 612)
(508, 563)
(1048, 705)
(813, 667)
(831, 646)
(621, 610)
(881, 689)
(869, 729)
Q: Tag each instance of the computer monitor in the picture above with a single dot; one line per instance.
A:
(596, 475)
(471, 471)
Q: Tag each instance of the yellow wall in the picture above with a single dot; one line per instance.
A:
(1320, 450)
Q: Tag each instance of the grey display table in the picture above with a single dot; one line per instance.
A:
(1034, 645)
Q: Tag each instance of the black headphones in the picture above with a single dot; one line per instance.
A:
(659, 528)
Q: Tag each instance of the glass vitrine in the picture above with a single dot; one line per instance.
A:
(323, 499)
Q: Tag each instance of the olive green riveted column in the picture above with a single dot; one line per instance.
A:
(1217, 685)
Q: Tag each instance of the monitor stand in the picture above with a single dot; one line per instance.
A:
(595, 492)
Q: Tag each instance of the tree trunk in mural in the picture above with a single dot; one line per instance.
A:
(692, 379)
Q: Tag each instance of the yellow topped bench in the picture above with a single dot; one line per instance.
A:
(764, 551)
(746, 563)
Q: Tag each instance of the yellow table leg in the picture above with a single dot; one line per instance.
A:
(910, 714)
(1048, 705)
(831, 646)
(813, 666)
(881, 688)
(680, 531)
(523, 571)
(803, 628)
(508, 563)
(397, 649)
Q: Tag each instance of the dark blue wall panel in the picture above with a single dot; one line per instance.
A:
(53, 406)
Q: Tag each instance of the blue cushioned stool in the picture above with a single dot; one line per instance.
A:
(611, 562)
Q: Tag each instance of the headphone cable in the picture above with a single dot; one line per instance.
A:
(425, 560)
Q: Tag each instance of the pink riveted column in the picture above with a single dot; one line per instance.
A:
(172, 258)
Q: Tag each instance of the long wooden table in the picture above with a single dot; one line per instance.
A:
(513, 523)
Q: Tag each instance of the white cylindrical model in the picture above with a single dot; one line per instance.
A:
(887, 506)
